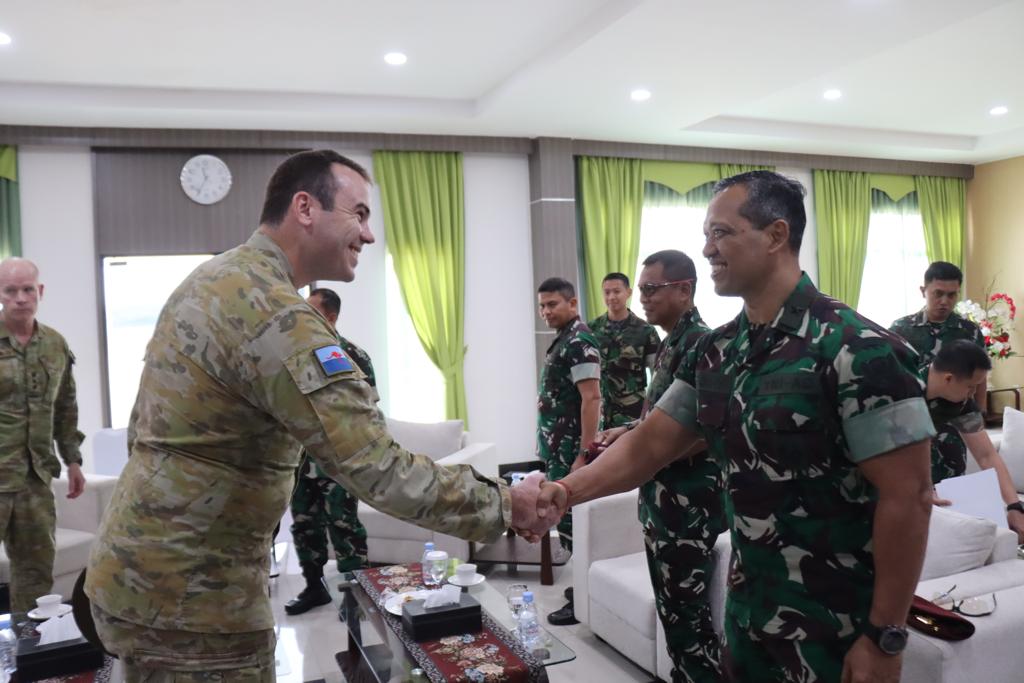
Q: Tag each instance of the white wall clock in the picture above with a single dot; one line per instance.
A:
(206, 179)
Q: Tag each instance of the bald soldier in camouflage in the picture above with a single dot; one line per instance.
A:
(628, 347)
(818, 418)
(37, 409)
(681, 508)
(239, 373)
(320, 506)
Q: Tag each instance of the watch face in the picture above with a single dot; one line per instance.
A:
(205, 179)
(892, 640)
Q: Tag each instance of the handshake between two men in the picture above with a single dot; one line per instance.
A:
(537, 505)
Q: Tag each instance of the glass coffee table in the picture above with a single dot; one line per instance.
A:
(376, 654)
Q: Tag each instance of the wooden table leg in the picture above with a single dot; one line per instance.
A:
(547, 576)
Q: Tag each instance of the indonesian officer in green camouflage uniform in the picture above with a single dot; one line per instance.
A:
(681, 508)
(321, 507)
(818, 418)
(239, 372)
(628, 347)
(37, 409)
(957, 370)
(569, 400)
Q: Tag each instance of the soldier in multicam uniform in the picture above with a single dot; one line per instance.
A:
(239, 372)
(321, 506)
(681, 508)
(37, 408)
(958, 369)
(628, 347)
(569, 401)
(818, 417)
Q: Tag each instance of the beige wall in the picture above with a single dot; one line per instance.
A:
(995, 249)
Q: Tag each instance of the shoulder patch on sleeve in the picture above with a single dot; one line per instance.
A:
(333, 360)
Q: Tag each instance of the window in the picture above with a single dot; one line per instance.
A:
(415, 385)
(674, 221)
(896, 260)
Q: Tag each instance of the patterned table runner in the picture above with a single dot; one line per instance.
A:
(491, 656)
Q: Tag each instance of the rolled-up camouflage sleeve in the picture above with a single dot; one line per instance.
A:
(970, 420)
(65, 417)
(583, 359)
(680, 399)
(333, 414)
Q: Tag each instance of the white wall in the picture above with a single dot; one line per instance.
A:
(57, 233)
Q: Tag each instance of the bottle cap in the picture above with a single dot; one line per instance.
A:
(429, 545)
(528, 596)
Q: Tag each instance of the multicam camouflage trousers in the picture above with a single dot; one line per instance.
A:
(321, 507)
(27, 522)
(748, 657)
(152, 655)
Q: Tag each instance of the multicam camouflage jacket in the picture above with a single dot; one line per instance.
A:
(949, 452)
(572, 357)
(240, 370)
(628, 347)
(37, 407)
(928, 337)
(789, 410)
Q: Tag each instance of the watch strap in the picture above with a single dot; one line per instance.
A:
(1018, 506)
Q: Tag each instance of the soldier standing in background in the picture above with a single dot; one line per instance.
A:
(628, 347)
(321, 507)
(37, 408)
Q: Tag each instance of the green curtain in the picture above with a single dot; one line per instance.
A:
(10, 204)
(728, 170)
(611, 199)
(943, 204)
(842, 206)
(424, 225)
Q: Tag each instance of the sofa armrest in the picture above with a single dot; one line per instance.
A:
(85, 512)
(1005, 547)
(483, 457)
(603, 528)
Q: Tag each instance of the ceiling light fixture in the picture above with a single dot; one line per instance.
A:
(832, 94)
(396, 58)
(998, 111)
(4, 39)
(640, 95)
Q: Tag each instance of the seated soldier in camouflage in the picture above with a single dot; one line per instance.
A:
(818, 417)
(959, 368)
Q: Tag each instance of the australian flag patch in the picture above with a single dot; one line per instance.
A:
(333, 360)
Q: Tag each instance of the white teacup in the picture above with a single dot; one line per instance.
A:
(48, 604)
(465, 572)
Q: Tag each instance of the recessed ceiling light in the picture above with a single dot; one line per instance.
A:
(395, 58)
(640, 95)
(832, 94)
(998, 111)
(4, 39)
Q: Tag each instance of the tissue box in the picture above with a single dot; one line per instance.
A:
(36, 661)
(437, 622)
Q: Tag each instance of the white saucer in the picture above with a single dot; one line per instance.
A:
(477, 579)
(395, 602)
(37, 615)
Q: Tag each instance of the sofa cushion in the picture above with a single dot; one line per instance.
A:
(956, 543)
(623, 585)
(1011, 446)
(380, 525)
(73, 548)
(435, 440)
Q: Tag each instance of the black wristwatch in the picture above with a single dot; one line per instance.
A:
(1018, 506)
(890, 639)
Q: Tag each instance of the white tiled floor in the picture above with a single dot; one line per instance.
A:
(307, 643)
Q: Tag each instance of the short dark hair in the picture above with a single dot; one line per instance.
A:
(616, 276)
(942, 270)
(304, 172)
(675, 265)
(961, 357)
(770, 197)
(329, 298)
(557, 285)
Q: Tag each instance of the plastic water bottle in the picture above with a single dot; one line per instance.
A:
(529, 628)
(8, 649)
(428, 547)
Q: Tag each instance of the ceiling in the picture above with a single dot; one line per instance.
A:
(918, 77)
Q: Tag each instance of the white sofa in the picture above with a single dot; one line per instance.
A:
(78, 521)
(614, 597)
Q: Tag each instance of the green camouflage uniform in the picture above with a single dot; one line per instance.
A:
(682, 514)
(321, 506)
(949, 452)
(571, 358)
(240, 371)
(928, 337)
(788, 412)
(37, 408)
(628, 348)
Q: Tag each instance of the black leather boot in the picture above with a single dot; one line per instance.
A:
(313, 595)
